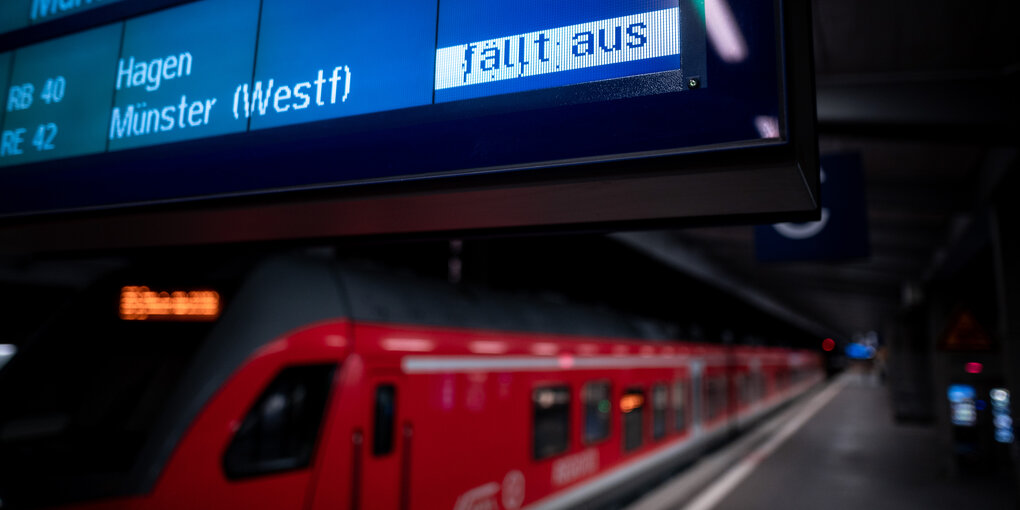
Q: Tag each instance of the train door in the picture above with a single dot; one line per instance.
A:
(757, 380)
(697, 370)
(387, 449)
(367, 447)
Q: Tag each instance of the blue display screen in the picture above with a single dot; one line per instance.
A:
(217, 97)
(350, 58)
(217, 67)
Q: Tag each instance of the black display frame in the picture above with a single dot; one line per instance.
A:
(753, 182)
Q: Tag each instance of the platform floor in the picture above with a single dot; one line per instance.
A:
(851, 455)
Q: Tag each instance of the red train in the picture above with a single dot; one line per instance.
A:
(318, 386)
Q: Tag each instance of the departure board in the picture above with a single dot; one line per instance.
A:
(147, 102)
(216, 67)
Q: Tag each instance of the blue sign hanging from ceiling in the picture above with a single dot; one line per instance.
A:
(842, 231)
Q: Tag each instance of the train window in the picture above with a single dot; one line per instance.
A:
(660, 402)
(385, 418)
(743, 389)
(782, 379)
(679, 418)
(715, 390)
(597, 407)
(551, 406)
(280, 430)
(632, 404)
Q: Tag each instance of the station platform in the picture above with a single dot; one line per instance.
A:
(838, 448)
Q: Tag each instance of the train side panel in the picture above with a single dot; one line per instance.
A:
(423, 418)
(466, 398)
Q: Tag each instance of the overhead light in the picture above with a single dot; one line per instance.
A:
(408, 344)
(7, 351)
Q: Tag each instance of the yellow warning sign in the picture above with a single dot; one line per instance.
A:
(964, 333)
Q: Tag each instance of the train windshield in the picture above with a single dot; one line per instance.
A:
(79, 402)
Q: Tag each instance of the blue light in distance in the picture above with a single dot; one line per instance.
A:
(960, 393)
(1004, 435)
(857, 350)
(1001, 416)
(961, 403)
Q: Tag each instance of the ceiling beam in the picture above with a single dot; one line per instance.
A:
(674, 252)
(954, 106)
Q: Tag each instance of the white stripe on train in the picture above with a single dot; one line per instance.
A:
(435, 364)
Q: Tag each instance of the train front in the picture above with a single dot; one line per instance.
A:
(142, 380)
